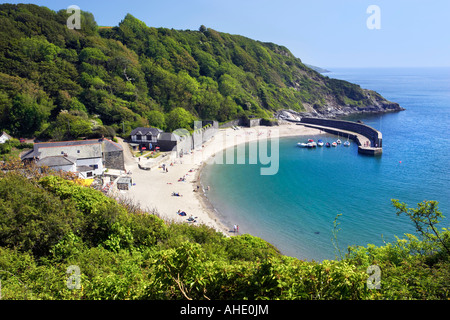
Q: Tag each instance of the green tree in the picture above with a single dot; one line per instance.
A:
(70, 125)
(92, 55)
(179, 118)
(425, 218)
(39, 49)
(26, 115)
(156, 119)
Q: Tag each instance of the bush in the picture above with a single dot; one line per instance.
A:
(48, 223)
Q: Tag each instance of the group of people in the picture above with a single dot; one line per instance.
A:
(183, 214)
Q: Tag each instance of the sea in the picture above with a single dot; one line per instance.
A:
(323, 200)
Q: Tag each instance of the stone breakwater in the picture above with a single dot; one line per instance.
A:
(369, 140)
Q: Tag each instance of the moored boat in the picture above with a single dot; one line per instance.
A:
(328, 145)
(347, 143)
(334, 144)
(302, 145)
(320, 143)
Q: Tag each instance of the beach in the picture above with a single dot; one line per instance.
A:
(153, 189)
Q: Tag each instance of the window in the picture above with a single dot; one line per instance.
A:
(138, 137)
(89, 174)
(78, 151)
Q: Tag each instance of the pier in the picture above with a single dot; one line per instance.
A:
(369, 140)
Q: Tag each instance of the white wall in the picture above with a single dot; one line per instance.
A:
(92, 162)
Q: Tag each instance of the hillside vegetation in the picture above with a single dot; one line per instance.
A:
(63, 84)
(50, 225)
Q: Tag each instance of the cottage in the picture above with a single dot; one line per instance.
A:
(5, 137)
(145, 137)
(84, 157)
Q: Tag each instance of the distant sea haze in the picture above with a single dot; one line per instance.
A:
(295, 209)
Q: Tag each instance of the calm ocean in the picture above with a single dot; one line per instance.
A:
(295, 209)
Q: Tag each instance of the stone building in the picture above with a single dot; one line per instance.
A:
(87, 158)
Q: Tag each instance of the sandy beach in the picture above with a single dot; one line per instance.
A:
(153, 189)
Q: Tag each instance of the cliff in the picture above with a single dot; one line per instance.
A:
(64, 84)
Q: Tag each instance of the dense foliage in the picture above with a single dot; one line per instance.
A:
(49, 224)
(63, 84)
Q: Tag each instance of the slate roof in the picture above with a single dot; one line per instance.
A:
(146, 130)
(79, 149)
(168, 136)
(56, 161)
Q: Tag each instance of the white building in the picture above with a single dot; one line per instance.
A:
(4, 137)
(145, 137)
(87, 158)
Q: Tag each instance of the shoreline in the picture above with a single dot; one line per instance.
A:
(153, 189)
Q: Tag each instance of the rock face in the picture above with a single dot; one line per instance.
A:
(375, 104)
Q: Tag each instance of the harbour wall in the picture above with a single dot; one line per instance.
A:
(356, 131)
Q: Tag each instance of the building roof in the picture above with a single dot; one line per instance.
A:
(168, 136)
(56, 161)
(124, 180)
(79, 149)
(145, 131)
(5, 136)
(110, 146)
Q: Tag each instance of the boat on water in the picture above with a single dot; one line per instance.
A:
(334, 144)
(347, 143)
(320, 143)
(328, 145)
(302, 145)
(338, 141)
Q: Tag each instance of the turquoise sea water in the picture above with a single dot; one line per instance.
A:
(295, 209)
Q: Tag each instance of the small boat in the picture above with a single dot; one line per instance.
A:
(302, 145)
(314, 144)
(320, 143)
(338, 141)
(328, 145)
(347, 143)
(310, 145)
(334, 144)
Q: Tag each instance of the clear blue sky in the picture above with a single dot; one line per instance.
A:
(326, 33)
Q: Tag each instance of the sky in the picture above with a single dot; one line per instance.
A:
(324, 33)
